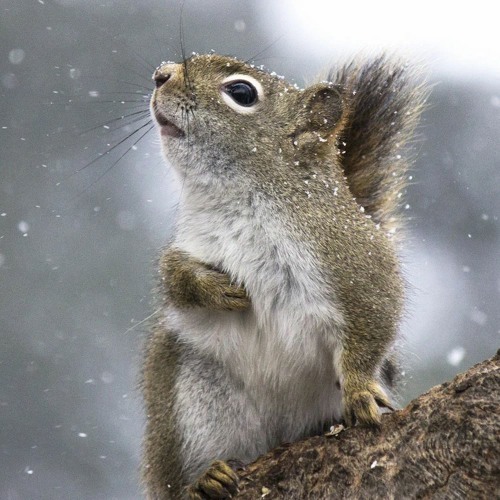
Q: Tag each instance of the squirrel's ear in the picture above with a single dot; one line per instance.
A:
(319, 113)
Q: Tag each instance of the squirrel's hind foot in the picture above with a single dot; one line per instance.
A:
(362, 404)
(219, 481)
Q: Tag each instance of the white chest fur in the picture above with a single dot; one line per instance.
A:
(286, 345)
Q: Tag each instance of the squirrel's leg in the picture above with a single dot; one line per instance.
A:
(161, 463)
(191, 283)
(362, 392)
(199, 421)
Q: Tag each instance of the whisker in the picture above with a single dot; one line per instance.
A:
(133, 84)
(130, 122)
(119, 158)
(147, 78)
(147, 64)
(136, 93)
(121, 101)
(181, 30)
(117, 127)
(144, 113)
(76, 129)
(92, 101)
(158, 39)
(265, 49)
(133, 327)
(112, 148)
(183, 51)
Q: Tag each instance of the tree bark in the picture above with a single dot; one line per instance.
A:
(444, 444)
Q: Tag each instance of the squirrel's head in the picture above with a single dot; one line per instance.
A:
(217, 114)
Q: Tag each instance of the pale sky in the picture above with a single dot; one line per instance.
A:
(462, 37)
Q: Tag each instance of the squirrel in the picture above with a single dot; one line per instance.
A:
(282, 287)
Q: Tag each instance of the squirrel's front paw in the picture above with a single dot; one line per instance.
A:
(362, 401)
(217, 482)
(192, 283)
(216, 291)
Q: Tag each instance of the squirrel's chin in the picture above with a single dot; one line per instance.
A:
(170, 130)
(167, 128)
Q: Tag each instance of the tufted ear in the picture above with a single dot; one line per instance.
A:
(319, 112)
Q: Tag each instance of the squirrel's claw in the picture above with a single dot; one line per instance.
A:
(221, 293)
(217, 482)
(362, 403)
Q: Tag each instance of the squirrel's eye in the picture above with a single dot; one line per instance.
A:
(244, 93)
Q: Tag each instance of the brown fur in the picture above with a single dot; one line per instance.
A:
(385, 102)
(202, 285)
(162, 470)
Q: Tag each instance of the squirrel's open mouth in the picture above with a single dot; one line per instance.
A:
(167, 128)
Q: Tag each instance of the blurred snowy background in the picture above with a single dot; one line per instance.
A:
(77, 251)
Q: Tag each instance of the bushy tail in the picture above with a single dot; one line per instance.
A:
(384, 100)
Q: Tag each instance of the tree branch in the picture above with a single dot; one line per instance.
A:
(444, 444)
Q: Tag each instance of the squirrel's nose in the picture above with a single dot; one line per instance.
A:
(160, 78)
